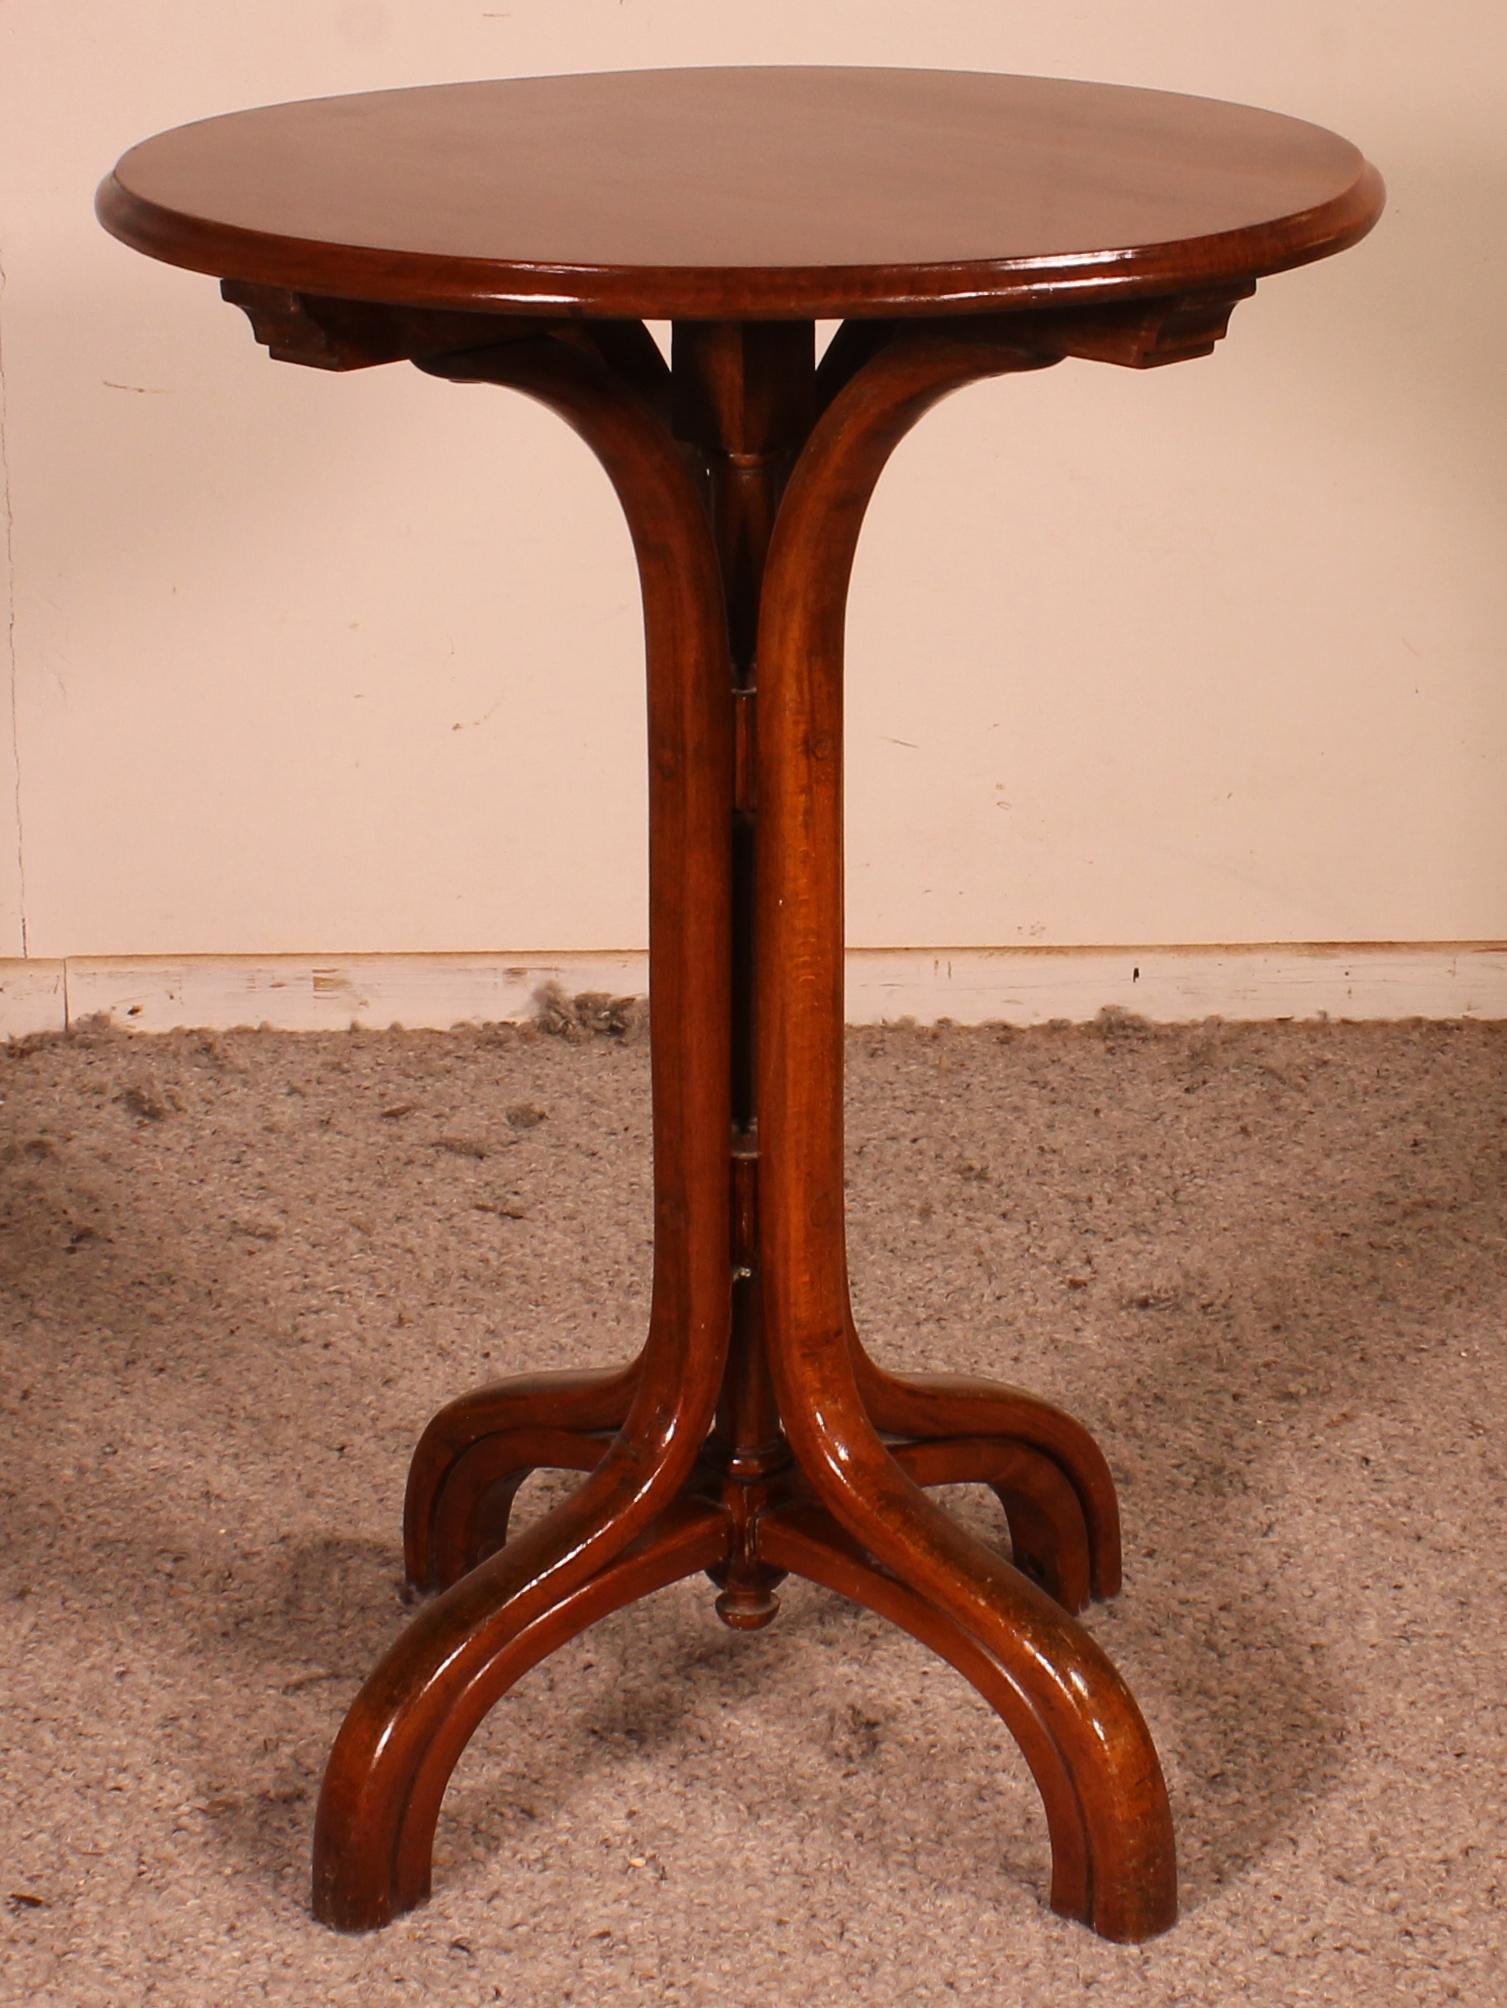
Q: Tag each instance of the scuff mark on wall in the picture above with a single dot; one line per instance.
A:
(7, 529)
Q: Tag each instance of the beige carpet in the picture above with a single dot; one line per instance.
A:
(1268, 1264)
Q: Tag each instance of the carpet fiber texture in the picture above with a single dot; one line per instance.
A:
(1267, 1264)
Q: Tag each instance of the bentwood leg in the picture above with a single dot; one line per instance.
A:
(480, 1448)
(871, 1531)
(625, 1530)
(944, 1407)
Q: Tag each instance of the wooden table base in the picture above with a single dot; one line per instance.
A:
(752, 1436)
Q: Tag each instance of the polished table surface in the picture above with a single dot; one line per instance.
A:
(735, 193)
(516, 233)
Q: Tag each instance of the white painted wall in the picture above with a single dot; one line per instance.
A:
(351, 665)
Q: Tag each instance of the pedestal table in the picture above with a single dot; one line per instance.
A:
(519, 233)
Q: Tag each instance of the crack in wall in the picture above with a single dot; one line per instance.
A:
(7, 528)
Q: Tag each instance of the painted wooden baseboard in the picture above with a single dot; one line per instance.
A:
(31, 997)
(1180, 985)
(1021, 986)
(299, 993)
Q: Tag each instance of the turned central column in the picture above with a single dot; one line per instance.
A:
(743, 402)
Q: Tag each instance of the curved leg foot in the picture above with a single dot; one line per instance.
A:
(374, 1830)
(927, 1406)
(469, 1514)
(1048, 1536)
(1113, 1861)
(552, 1408)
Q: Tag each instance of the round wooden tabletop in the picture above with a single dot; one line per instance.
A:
(744, 193)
